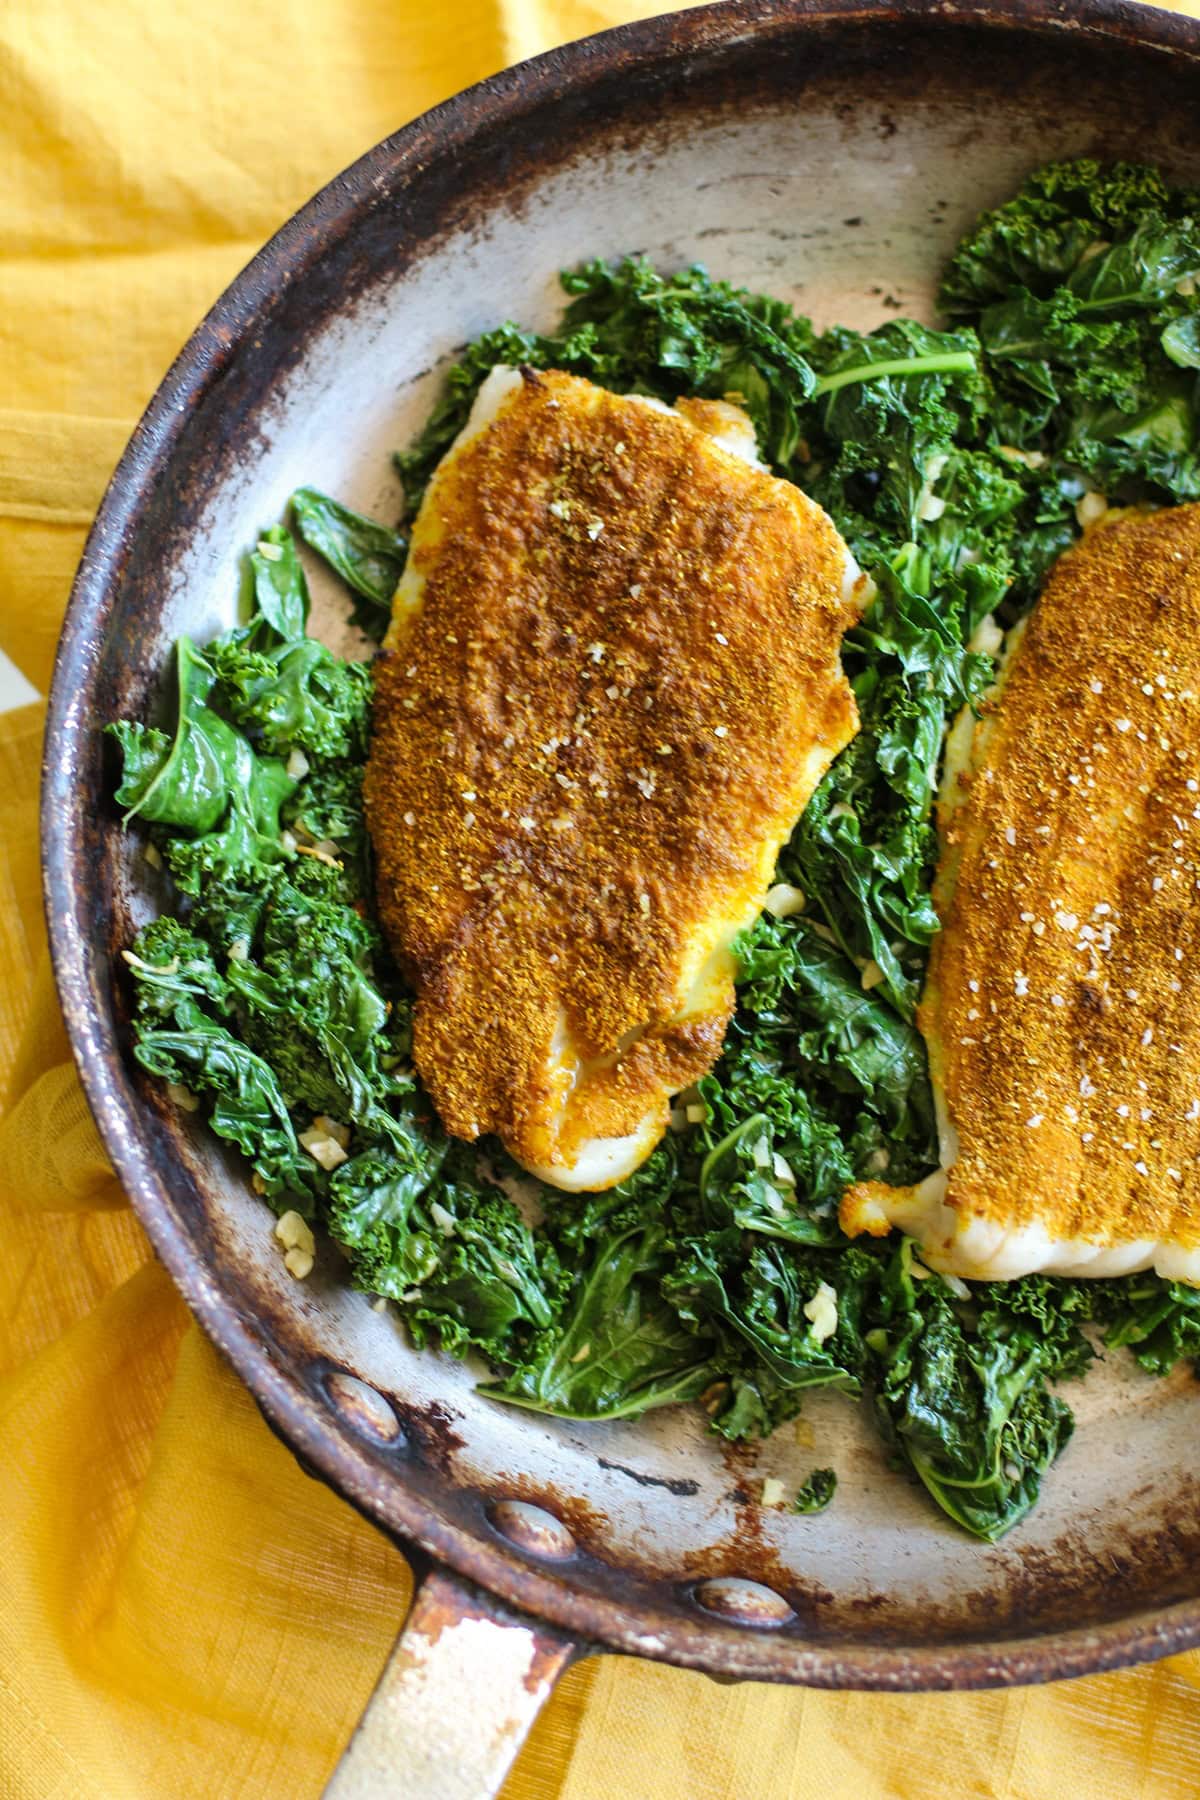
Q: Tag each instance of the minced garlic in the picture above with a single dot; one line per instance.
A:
(299, 1245)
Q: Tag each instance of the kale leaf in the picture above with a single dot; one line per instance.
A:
(201, 1054)
(298, 696)
(426, 1230)
(308, 1001)
(618, 1347)
(766, 1303)
(814, 1495)
(1082, 289)
(1159, 1321)
(634, 330)
(189, 780)
(962, 1394)
(847, 1036)
(368, 556)
(280, 590)
(204, 783)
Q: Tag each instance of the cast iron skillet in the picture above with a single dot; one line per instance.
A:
(831, 153)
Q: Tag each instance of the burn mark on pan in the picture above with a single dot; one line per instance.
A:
(431, 1431)
(678, 1485)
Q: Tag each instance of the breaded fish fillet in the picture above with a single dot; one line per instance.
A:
(1060, 1011)
(611, 684)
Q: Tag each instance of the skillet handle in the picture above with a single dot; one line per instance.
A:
(456, 1699)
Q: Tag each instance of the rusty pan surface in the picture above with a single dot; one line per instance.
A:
(831, 154)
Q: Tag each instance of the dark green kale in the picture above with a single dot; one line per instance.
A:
(205, 1057)
(961, 1387)
(298, 696)
(1082, 289)
(634, 330)
(617, 1347)
(758, 1076)
(328, 806)
(814, 1495)
(216, 797)
(285, 690)
(1159, 1321)
(192, 780)
(280, 590)
(170, 964)
(426, 1230)
(368, 556)
(785, 1319)
(845, 1043)
(746, 1182)
(327, 809)
(308, 1001)
(926, 517)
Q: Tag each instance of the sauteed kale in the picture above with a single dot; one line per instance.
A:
(953, 462)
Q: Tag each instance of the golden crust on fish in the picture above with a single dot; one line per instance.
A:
(1061, 1009)
(611, 684)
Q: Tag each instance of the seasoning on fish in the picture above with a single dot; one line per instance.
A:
(611, 683)
(1061, 1010)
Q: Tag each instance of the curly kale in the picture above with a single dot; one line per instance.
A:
(964, 1399)
(814, 1495)
(1082, 289)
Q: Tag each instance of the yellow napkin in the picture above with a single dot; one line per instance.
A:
(183, 1613)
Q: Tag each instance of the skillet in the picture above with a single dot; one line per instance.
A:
(831, 153)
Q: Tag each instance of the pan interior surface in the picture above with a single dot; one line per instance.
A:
(833, 158)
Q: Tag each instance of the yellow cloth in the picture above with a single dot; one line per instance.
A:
(183, 1613)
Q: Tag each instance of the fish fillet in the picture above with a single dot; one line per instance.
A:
(611, 683)
(1060, 1011)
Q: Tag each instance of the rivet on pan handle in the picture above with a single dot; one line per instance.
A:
(455, 1702)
